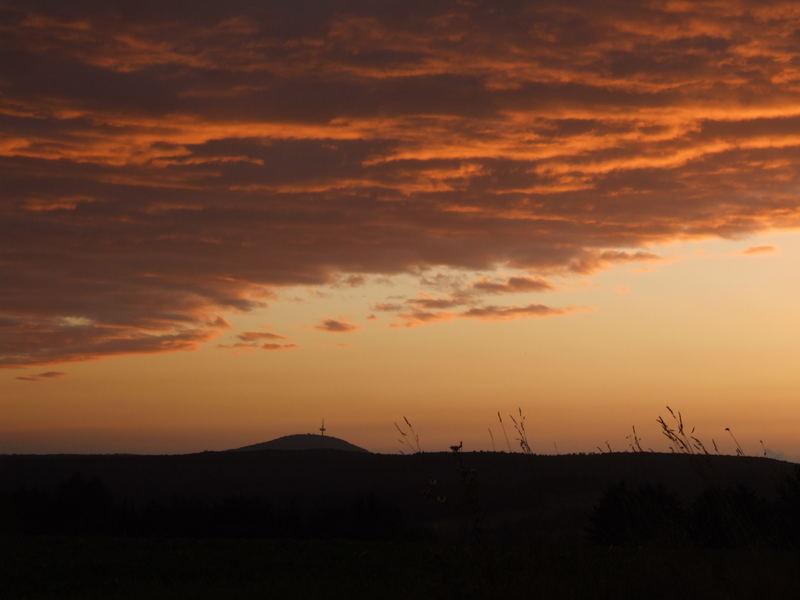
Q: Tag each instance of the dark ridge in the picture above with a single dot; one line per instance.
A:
(303, 441)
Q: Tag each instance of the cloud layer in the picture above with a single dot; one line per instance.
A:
(161, 168)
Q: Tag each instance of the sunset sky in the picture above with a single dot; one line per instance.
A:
(221, 222)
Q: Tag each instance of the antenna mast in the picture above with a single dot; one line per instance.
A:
(322, 429)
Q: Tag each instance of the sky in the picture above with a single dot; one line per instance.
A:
(223, 222)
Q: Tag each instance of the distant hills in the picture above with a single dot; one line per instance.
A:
(303, 441)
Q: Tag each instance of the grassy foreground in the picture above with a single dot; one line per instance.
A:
(106, 568)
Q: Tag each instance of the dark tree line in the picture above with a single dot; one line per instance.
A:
(625, 515)
(718, 517)
(84, 506)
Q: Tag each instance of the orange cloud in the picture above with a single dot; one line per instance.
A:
(501, 313)
(601, 259)
(279, 346)
(430, 303)
(388, 307)
(334, 326)
(485, 313)
(219, 322)
(254, 336)
(257, 345)
(417, 318)
(513, 285)
(61, 341)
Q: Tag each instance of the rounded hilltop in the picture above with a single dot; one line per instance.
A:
(303, 441)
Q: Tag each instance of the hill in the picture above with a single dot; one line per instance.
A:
(303, 441)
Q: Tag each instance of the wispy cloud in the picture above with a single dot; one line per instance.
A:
(486, 313)
(335, 326)
(513, 285)
(253, 336)
(759, 250)
(42, 376)
(255, 340)
(500, 313)
(279, 346)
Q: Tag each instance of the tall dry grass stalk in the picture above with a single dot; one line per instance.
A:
(503, 427)
(739, 451)
(409, 438)
(681, 441)
(522, 434)
(519, 427)
(634, 441)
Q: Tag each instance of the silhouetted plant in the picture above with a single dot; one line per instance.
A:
(503, 428)
(522, 434)
(739, 451)
(682, 442)
(676, 433)
(634, 441)
(491, 437)
(409, 438)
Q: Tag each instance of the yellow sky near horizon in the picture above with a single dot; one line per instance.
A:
(709, 330)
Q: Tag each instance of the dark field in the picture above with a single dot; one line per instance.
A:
(136, 568)
(330, 524)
